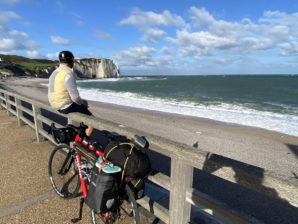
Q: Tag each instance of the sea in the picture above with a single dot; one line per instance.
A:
(264, 101)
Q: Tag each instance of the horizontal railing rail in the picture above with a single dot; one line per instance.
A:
(183, 159)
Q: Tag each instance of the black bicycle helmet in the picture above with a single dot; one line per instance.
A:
(66, 57)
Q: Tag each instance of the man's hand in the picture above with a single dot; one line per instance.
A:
(85, 103)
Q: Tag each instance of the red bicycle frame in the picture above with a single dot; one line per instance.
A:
(82, 179)
(84, 188)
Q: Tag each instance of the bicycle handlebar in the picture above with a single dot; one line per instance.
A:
(79, 129)
(67, 134)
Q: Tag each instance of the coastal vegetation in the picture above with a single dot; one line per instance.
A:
(85, 68)
(13, 65)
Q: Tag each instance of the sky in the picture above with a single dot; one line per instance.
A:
(158, 37)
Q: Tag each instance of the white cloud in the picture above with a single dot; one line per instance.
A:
(52, 56)
(12, 40)
(222, 42)
(60, 40)
(209, 36)
(201, 43)
(90, 54)
(201, 17)
(6, 16)
(153, 35)
(289, 49)
(11, 2)
(103, 35)
(204, 21)
(33, 54)
(78, 16)
(9, 44)
(193, 51)
(147, 60)
(80, 22)
(18, 34)
(60, 6)
(144, 19)
(280, 33)
(78, 19)
(147, 22)
(203, 39)
(166, 50)
(257, 43)
(135, 56)
(277, 18)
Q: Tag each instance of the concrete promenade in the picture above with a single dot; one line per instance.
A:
(26, 195)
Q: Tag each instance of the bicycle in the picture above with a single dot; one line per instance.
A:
(71, 169)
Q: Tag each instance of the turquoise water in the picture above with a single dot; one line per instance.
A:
(269, 102)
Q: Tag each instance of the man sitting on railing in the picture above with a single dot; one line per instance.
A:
(63, 94)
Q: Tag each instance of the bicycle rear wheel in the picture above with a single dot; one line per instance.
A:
(128, 211)
(63, 173)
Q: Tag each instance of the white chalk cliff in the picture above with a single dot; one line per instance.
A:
(89, 68)
(96, 68)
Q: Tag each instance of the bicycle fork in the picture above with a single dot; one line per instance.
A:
(83, 187)
(82, 180)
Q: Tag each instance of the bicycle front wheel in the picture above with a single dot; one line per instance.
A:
(128, 211)
(64, 175)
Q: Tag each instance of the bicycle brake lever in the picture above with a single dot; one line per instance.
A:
(82, 125)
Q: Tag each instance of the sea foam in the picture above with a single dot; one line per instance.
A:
(224, 112)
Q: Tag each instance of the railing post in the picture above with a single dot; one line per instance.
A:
(181, 181)
(7, 104)
(1, 101)
(19, 112)
(69, 121)
(37, 123)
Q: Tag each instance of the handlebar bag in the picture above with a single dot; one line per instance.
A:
(63, 135)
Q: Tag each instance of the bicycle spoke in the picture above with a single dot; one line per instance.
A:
(63, 173)
(64, 189)
(127, 212)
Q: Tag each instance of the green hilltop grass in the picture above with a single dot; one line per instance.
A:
(19, 65)
(27, 62)
(35, 64)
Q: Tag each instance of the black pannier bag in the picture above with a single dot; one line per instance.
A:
(132, 159)
(138, 187)
(103, 192)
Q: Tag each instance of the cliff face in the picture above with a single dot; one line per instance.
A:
(41, 72)
(96, 68)
(11, 65)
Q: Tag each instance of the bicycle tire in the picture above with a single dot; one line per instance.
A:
(128, 211)
(63, 173)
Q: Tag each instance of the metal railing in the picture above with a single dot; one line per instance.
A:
(183, 159)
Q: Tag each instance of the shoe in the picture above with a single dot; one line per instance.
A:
(106, 166)
(110, 168)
